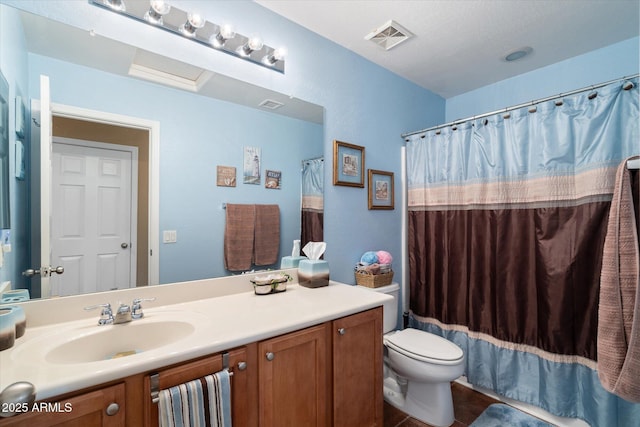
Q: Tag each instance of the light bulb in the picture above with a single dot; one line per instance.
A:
(117, 5)
(157, 9)
(277, 55)
(225, 33)
(194, 21)
(280, 53)
(255, 43)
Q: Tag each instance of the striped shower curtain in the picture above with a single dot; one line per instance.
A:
(312, 219)
(507, 219)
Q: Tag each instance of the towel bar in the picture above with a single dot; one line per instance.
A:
(155, 378)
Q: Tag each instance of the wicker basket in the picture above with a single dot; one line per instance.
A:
(373, 280)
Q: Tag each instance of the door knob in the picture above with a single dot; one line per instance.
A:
(45, 271)
(124, 245)
(30, 272)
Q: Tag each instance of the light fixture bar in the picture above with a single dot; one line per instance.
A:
(195, 27)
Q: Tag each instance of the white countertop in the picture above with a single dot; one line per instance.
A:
(222, 323)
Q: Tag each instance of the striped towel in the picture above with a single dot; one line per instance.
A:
(618, 337)
(205, 402)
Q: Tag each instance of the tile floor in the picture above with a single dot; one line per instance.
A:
(468, 404)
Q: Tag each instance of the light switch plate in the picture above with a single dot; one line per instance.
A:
(169, 236)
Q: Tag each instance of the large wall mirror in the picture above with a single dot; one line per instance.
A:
(104, 93)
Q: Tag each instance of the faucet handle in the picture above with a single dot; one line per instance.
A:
(136, 307)
(106, 315)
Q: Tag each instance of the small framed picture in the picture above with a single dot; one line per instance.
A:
(272, 179)
(226, 176)
(348, 164)
(251, 171)
(380, 190)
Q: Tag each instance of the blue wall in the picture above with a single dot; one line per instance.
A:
(612, 62)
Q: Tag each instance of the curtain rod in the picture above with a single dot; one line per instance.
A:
(516, 107)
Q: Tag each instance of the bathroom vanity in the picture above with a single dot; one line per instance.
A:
(301, 357)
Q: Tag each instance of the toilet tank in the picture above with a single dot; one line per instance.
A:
(390, 308)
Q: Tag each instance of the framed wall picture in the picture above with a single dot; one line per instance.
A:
(381, 194)
(226, 176)
(251, 171)
(348, 164)
(272, 179)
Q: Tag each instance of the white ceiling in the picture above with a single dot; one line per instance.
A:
(460, 44)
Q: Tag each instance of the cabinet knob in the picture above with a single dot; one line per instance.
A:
(270, 356)
(242, 366)
(341, 331)
(112, 409)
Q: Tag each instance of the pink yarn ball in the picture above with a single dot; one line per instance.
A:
(384, 257)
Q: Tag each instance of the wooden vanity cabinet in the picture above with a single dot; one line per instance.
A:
(357, 370)
(101, 407)
(294, 378)
(325, 375)
(243, 383)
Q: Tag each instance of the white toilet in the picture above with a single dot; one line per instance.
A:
(419, 367)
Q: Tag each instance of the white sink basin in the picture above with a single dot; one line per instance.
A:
(86, 344)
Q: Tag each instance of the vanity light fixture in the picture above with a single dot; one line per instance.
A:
(193, 26)
(157, 9)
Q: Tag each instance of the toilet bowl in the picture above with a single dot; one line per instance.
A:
(419, 367)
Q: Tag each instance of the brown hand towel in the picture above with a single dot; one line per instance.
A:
(618, 338)
(267, 235)
(238, 237)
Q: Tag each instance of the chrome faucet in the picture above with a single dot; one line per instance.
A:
(124, 314)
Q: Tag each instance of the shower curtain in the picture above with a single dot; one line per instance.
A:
(507, 219)
(312, 201)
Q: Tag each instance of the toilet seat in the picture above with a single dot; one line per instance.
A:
(424, 346)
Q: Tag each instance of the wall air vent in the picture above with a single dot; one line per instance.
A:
(389, 35)
(271, 104)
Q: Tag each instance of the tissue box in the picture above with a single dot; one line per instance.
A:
(291, 261)
(313, 273)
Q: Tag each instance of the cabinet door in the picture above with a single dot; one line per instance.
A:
(103, 407)
(243, 395)
(357, 370)
(294, 376)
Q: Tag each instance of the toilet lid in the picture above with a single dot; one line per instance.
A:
(423, 345)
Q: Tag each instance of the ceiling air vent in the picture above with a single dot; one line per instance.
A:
(271, 104)
(389, 35)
